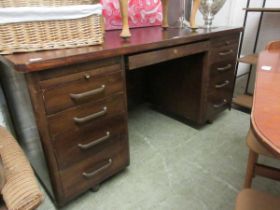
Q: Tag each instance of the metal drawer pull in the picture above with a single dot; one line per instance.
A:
(80, 96)
(226, 53)
(95, 142)
(91, 174)
(223, 84)
(225, 68)
(90, 117)
(221, 104)
(87, 76)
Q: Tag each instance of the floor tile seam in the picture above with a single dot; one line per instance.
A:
(205, 207)
(153, 138)
(159, 153)
(211, 175)
(186, 126)
(234, 169)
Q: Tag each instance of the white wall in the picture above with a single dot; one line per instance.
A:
(232, 14)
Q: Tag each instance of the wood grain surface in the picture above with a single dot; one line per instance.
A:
(265, 118)
(143, 39)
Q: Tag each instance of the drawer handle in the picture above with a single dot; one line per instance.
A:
(222, 85)
(91, 174)
(80, 96)
(221, 104)
(227, 42)
(226, 53)
(95, 142)
(90, 117)
(87, 76)
(225, 68)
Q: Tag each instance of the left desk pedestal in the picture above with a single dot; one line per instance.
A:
(81, 137)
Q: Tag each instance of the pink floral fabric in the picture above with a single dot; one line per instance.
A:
(141, 13)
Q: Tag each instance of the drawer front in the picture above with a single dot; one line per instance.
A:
(221, 82)
(224, 48)
(85, 115)
(74, 147)
(91, 172)
(86, 87)
(225, 41)
(158, 56)
(222, 54)
(218, 102)
(222, 68)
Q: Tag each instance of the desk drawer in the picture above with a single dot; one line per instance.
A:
(85, 115)
(158, 56)
(73, 147)
(224, 48)
(218, 102)
(221, 81)
(91, 172)
(222, 68)
(81, 88)
(224, 41)
(222, 54)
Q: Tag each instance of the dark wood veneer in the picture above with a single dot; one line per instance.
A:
(60, 133)
(65, 120)
(84, 90)
(143, 39)
(66, 144)
(74, 183)
(177, 86)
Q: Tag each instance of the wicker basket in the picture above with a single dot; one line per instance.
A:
(45, 35)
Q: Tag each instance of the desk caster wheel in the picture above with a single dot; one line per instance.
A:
(95, 188)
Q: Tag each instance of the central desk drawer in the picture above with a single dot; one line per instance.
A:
(85, 115)
(158, 56)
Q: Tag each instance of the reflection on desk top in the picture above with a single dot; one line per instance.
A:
(265, 118)
(143, 39)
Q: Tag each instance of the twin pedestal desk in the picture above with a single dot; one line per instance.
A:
(80, 96)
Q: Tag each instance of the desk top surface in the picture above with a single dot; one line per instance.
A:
(265, 118)
(143, 39)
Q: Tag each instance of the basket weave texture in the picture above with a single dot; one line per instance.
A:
(45, 35)
(21, 191)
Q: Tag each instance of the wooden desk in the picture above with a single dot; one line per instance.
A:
(265, 118)
(79, 96)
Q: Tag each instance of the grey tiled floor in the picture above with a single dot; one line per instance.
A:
(175, 166)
